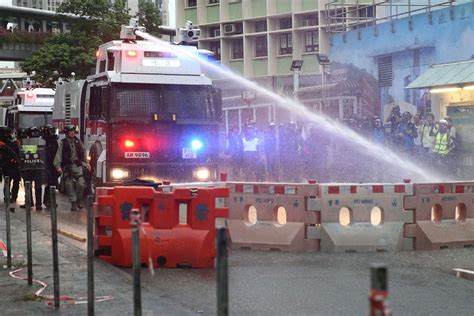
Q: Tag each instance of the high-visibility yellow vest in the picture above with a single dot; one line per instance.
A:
(441, 144)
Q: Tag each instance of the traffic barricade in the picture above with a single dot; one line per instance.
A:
(444, 215)
(177, 228)
(103, 223)
(364, 217)
(274, 216)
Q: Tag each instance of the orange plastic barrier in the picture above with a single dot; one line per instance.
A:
(270, 216)
(364, 217)
(177, 228)
(444, 215)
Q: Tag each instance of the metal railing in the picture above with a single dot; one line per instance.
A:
(344, 16)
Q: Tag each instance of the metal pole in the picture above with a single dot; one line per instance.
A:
(378, 290)
(296, 87)
(137, 299)
(54, 236)
(7, 218)
(222, 273)
(28, 231)
(90, 256)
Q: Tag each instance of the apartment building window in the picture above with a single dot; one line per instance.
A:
(261, 46)
(368, 11)
(286, 44)
(309, 20)
(311, 43)
(213, 1)
(215, 47)
(261, 26)
(238, 49)
(192, 3)
(214, 31)
(285, 23)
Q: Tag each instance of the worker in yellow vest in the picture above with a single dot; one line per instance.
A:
(442, 146)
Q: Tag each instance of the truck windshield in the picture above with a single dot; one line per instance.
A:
(29, 119)
(186, 101)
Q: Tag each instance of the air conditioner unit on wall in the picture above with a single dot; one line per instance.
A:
(217, 33)
(232, 28)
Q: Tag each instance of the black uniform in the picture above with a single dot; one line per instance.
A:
(9, 151)
(36, 173)
(52, 174)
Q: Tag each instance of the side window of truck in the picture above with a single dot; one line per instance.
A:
(10, 119)
(94, 106)
(99, 102)
(104, 102)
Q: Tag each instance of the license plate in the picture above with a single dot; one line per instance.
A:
(189, 153)
(137, 155)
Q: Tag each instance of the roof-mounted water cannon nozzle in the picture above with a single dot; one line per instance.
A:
(29, 83)
(128, 31)
(189, 34)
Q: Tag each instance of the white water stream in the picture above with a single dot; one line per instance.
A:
(404, 166)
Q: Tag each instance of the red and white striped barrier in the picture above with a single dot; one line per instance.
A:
(364, 217)
(273, 216)
(444, 215)
(348, 217)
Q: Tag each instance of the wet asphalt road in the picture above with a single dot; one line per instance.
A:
(278, 283)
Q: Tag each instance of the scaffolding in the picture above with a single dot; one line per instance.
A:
(347, 15)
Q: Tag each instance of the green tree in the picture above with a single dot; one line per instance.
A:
(98, 18)
(99, 22)
(149, 16)
(61, 55)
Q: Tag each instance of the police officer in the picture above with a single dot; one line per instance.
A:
(32, 164)
(48, 133)
(69, 161)
(9, 151)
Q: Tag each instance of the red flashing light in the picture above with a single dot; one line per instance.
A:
(97, 54)
(131, 53)
(30, 95)
(129, 143)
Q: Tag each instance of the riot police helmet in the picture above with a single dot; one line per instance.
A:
(33, 132)
(406, 116)
(69, 127)
(48, 130)
(5, 133)
(21, 133)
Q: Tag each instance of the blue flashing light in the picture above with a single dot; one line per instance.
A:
(196, 144)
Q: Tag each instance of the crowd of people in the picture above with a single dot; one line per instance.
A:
(36, 155)
(432, 143)
(291, 153)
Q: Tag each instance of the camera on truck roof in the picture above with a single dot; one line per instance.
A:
(189, 33)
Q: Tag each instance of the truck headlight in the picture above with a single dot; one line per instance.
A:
(119, 174)
(202, 174)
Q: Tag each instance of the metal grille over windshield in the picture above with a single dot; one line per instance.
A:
(140, 100)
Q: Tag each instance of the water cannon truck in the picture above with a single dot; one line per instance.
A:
(146, 113)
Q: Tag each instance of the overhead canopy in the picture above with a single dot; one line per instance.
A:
(452, 74)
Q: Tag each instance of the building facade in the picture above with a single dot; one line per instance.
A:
(423, 63)
(50, 5)
(259, 39)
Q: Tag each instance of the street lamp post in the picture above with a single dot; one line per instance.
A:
(296, 66)
(323, 60)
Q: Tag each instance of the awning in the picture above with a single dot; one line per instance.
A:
(458, 74)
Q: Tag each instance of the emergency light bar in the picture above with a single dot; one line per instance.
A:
(160, 54)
